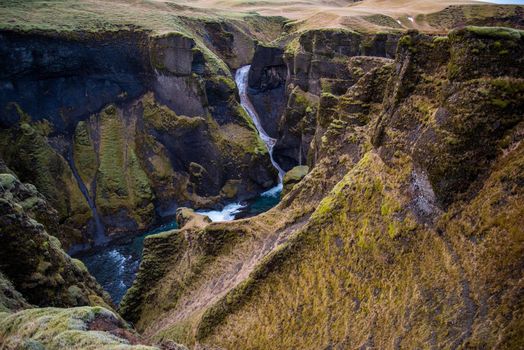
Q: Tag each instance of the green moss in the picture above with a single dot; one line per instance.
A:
(406, 41)
(86, 160)
(496, 32)
(53, 328)
(121, 181)
(29, 154)
(80, 265)
(500, 103)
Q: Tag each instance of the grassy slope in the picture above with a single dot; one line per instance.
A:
(365, 255)
(167, 16)
(351, 271)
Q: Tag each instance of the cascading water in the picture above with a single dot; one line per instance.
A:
(268, 198)
(115, 265)
(241, 79)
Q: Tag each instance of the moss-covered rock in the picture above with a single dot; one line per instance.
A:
(323, 64)
(10, 299)
(292, 177)
(33, 260)
(376, 233)
(450, 108)
(123, 191)
(80, 328)
(26, 150)
(186, 217)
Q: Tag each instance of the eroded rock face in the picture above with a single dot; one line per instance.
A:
(122, 133)
(26, 148)
(266, 86)
(32, 259)
(64, 80)
(321, 62)
(452, 124)
(10, 299)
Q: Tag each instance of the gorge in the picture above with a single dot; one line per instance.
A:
(307, 174)
(114, 266)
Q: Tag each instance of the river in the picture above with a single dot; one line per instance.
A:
(115, 265)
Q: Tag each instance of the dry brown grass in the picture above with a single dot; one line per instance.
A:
(164, 15)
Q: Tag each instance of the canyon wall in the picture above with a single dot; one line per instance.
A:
(118, 129)
(397, 238)
(286, 84)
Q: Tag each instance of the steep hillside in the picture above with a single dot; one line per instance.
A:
(47, 299)
(416, 242)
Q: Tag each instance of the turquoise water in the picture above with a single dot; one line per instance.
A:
(261, 204)
(115, 266)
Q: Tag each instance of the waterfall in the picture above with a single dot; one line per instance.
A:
(99, 236)
(241, 81)
(230, 210)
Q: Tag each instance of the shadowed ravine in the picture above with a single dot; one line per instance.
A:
(273, 175)
(115, 265)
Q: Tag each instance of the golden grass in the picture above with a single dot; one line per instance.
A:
(166, 16)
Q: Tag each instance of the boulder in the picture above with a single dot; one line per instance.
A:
(186, 218)
(293, 177)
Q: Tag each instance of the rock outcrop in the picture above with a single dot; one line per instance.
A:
(373, 234)
(125, 127)
(47, 299)
(293, 177)
(400, 221)
(285, 85)
(266, 86)
(32, 259)
(73, 328)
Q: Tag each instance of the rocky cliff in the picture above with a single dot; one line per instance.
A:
(286, 84)
(404, 233)
(399, 224)
(32, 259)
(127, 125)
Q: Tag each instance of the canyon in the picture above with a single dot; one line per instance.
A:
(261, 175)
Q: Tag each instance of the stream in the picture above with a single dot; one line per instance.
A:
(115, 265)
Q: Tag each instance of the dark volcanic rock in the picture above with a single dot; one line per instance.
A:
(266, 86)
(322, 63)
(64, 80)
(126, 125)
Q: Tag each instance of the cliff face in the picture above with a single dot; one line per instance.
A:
(404, 233)
(47, 299)
(286, 85)
(127, 125)
(32, 259)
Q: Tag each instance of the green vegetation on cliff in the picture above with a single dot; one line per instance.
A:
(26, 150)
(404, 233)
(79, 328)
